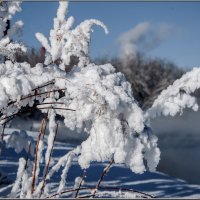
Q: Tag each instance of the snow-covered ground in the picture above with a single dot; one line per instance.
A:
(156, 184)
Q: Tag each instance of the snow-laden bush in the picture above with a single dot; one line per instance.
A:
(91, 98)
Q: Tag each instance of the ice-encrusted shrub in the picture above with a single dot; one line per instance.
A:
(91, 98)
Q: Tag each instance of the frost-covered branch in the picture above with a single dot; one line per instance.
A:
(38, 156)
(79, 181)
(53, 132)
(177, 96)
(105, 171)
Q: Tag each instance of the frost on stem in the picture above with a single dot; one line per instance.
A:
(77, 183)
(52, 133)
(177, 96)
(18, 180)
(7, 47)
(64, 173)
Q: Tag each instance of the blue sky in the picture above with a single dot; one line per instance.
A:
(181, 43)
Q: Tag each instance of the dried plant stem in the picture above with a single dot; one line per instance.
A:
(69, 190)
(105, 171)
(80, 184)
(46, 84)
(47, 166)
(27, 156)
(2, 136)
(49, 103)
(36, 156)
(56, 108)
(143, 195)
(32, 109)
(102, 188)
(36, 94)
(127, 190)
(45, 127)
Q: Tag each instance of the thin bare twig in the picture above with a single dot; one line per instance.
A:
(105, 171)
(32, 109)
(46, 120)
(2, 136)
(69, 190)
(38, 104)
(47, 166)
(56, 108)
(47, 83)
(126, 190)
(36, 156)
(80, 184)
(36, 94)
(47, 92)
(144, 195)
(27, 156)
(101, 188)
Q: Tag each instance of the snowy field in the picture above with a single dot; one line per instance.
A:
(155, 184)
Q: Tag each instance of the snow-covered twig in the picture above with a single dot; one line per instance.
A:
(2, 136)
(21, 170)
(105, 171)
(33, 109)
(48, 163)
(24, 177)
(80, 183)
(27, 155)
(36, 161)
(140, 194)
